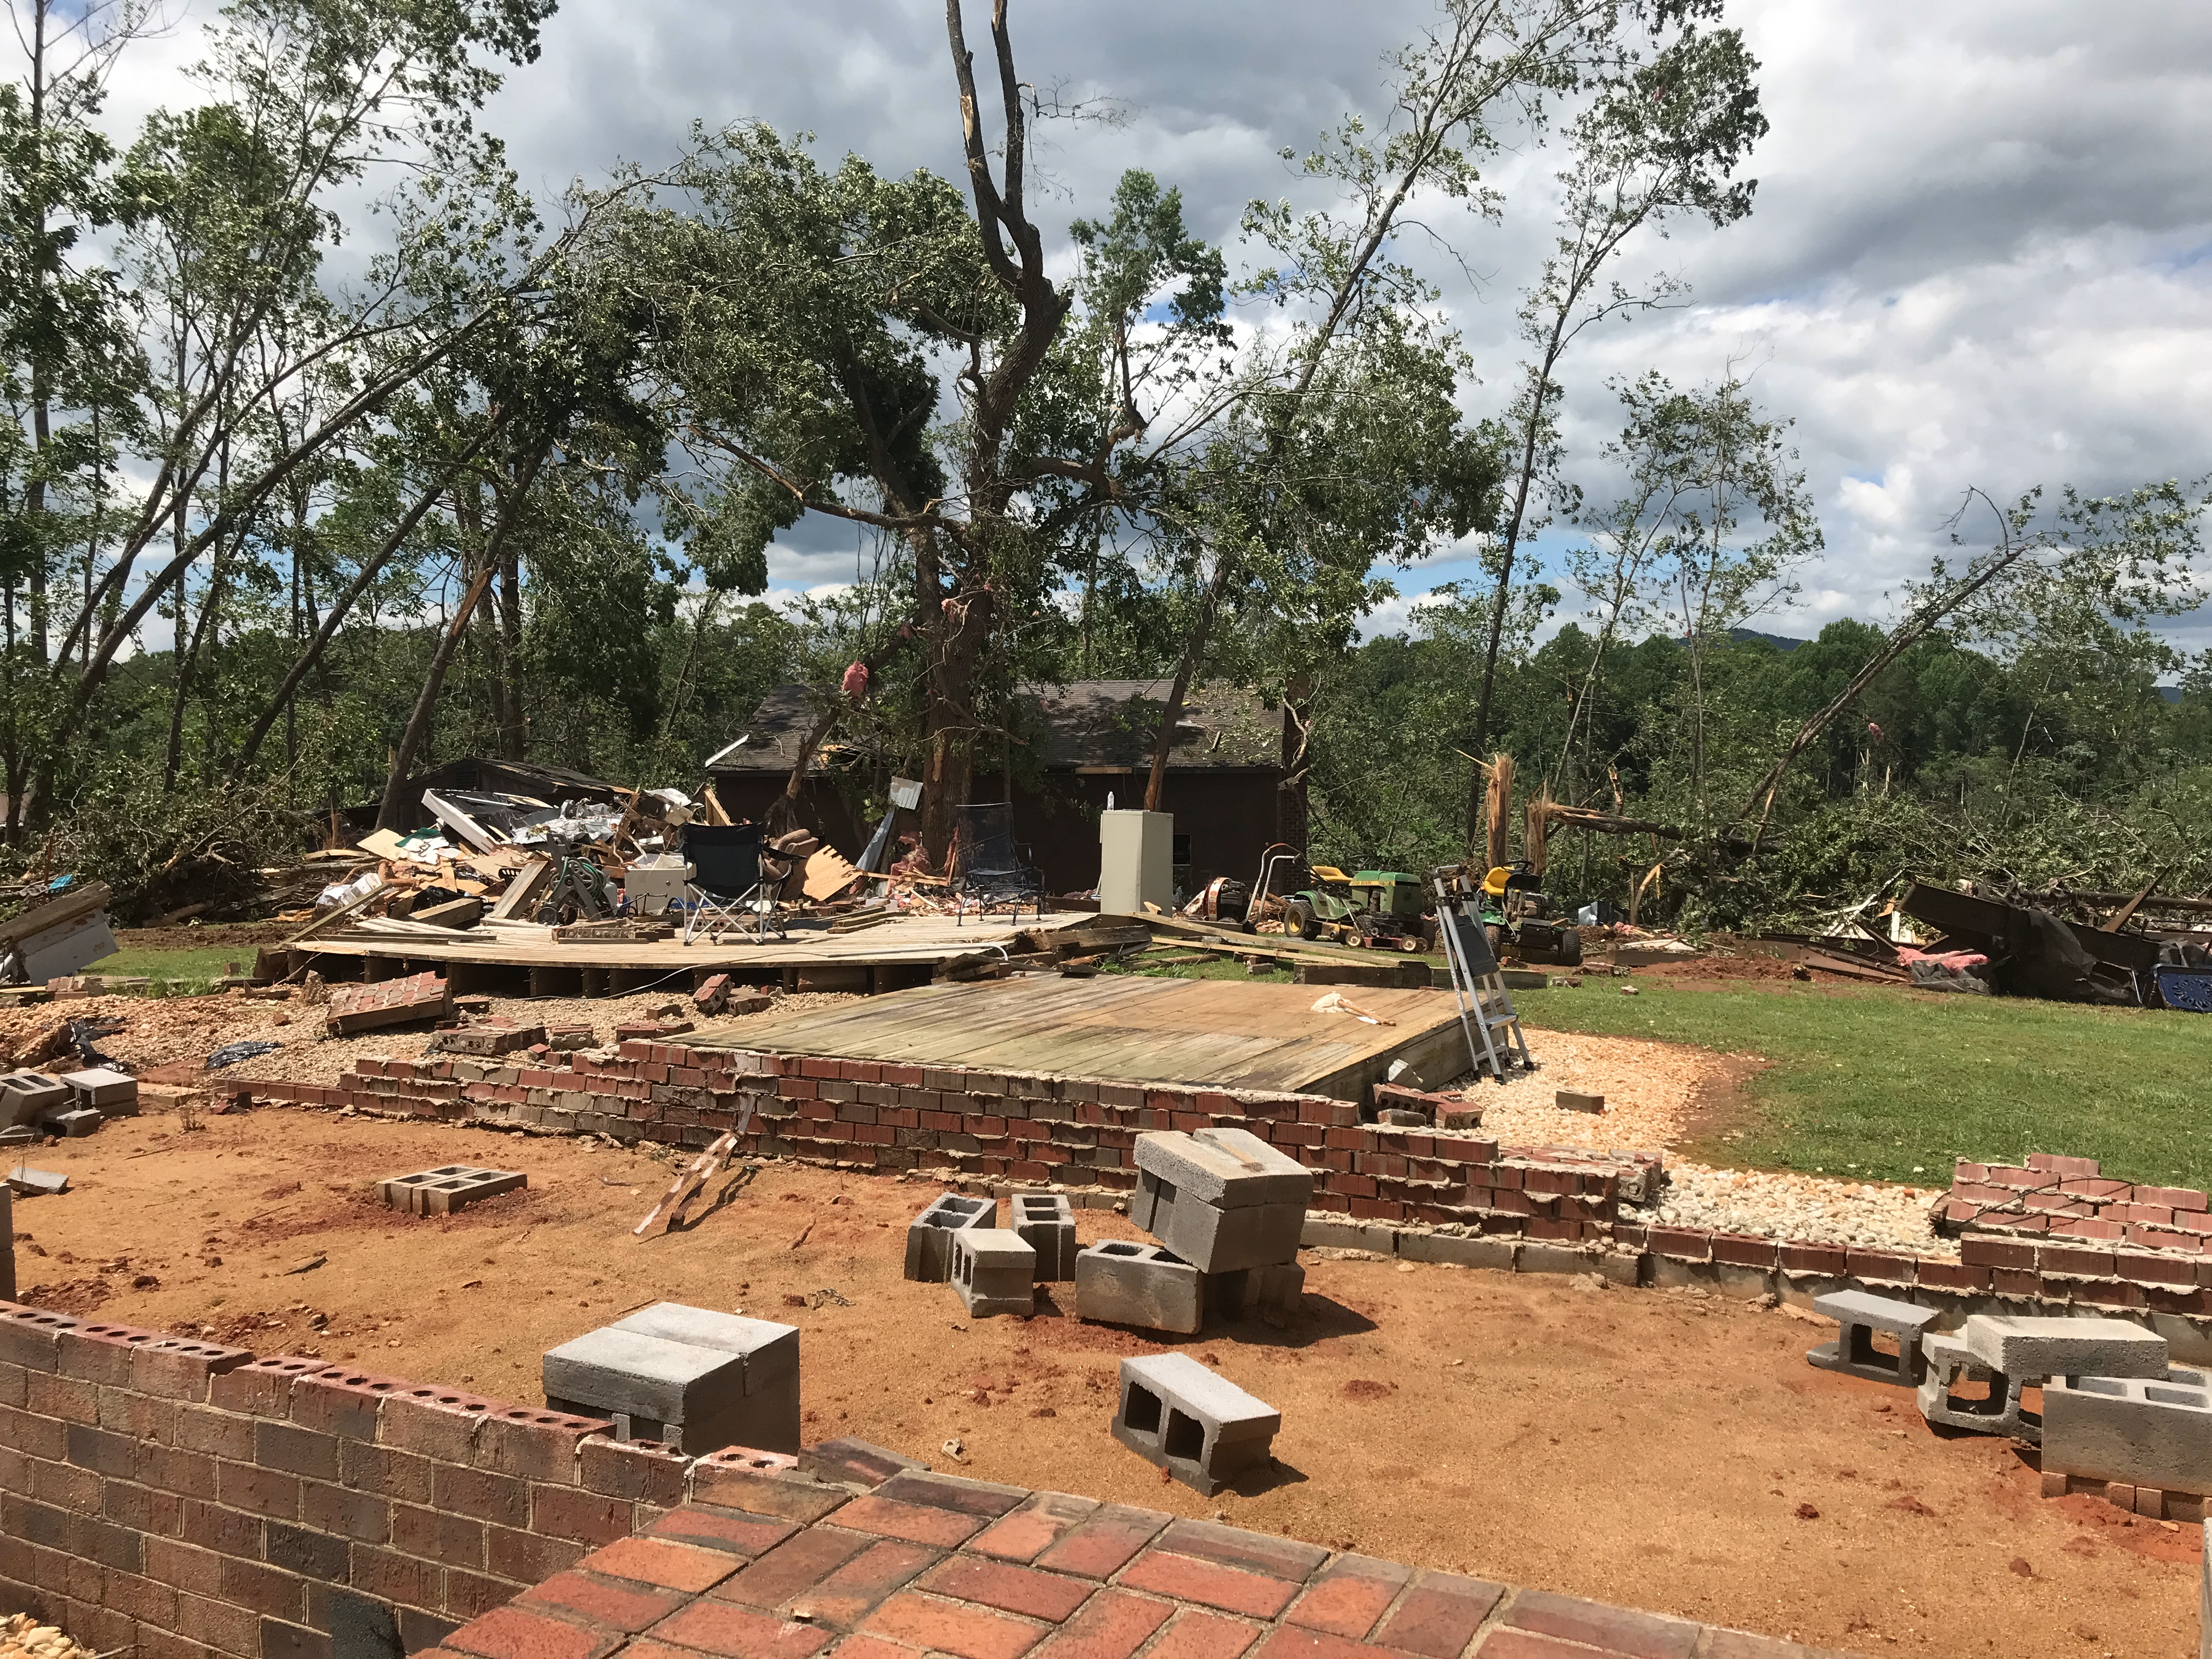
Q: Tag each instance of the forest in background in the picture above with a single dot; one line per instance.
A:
(289, 512)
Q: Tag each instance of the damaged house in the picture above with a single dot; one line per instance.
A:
(1074, 746)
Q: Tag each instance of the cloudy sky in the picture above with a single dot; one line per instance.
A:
(1982, 252)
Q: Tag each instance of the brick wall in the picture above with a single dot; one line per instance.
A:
(185, 1499)
(2071, 1199)
(1068, 1132)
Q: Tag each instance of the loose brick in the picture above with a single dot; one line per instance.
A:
(845, 1595)
(917, 1524)
(1101, 1546)
(940, 1627)
(749, 1535)
(735, 1633)
(1980, 1250)
(1615, 1630)
(1189, 1579)
(1196, 1635)
(1112, 1625)
(1439, 1615)
(792, 1568)
(653, 1561)
(610, 1602)
(1234, 1546)
(512, 1633)
(1346, 1600)
(1024, 1534)
(1010, 1588)
(616, 1469)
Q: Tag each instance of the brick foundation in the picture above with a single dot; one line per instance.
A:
(1071, 1134)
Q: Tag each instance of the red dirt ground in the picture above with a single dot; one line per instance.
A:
(1652, 1449)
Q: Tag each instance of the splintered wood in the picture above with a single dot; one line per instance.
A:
(686, 1187)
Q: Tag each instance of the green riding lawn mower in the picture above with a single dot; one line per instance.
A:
(1389, 909)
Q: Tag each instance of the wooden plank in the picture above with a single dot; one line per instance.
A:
(1222, 1033)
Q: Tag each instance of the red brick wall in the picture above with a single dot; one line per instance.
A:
(986, 1126)
(186, 1499)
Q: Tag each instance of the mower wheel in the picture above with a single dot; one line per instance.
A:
(1571, 947)
(1299, 919)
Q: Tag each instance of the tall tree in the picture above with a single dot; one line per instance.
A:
(1663, 139)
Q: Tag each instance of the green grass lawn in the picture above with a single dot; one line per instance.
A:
(178, 973)
(1879, 1082)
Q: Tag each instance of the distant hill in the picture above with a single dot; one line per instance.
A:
(1779, 642)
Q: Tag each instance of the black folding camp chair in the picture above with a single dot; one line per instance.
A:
(987, 865)
(728, 890)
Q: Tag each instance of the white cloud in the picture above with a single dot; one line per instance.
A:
(1982, 252)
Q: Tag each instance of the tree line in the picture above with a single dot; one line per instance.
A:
(297, 496)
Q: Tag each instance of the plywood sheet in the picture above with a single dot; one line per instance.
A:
(1221, 1033)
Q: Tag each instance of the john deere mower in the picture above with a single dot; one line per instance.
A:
(1520, 920)
(1377, 908)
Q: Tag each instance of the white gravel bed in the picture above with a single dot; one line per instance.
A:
(1797, 1207)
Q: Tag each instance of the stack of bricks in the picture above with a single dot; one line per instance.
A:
(988, 1126)
(2069, 1198)
(356, 1008)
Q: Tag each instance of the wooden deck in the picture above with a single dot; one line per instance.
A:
(1218, 1033)
(523, 959)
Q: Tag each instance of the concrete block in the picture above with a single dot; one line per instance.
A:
(1199, 1426)
(31, 1184)
(448, 1188)
(1499, 1252)
(112, 1093)
(1322, 1230)
(74, 1122)
(1949, 1362)
(1046, 1223)
(692, 1379)
(1228, 1169)
(1118, 1282)
(1574, 1100)
(929, 1235)
(1271, 1293)
(2129, 1429)
(1858, 1317)
(2035, 1348)
(994, 1271)
(26, 1096)
(1212, 1239)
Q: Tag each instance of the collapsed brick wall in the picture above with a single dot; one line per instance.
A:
(2070, 1198)
(1067, 1133)
(185, 1499)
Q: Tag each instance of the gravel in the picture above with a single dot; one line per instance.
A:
(22, 1637)
(1798, 1207)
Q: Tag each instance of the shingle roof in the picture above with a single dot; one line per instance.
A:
(1082, 723)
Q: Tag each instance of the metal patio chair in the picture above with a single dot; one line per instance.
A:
(987, 864)
(728, 890)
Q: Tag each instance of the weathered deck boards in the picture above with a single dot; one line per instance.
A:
(894, 954)
(1224, 1033)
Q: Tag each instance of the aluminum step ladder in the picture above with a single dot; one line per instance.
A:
(1485, 1007)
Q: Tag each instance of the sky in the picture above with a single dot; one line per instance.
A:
(1981, 253)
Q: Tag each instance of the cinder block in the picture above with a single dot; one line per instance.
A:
(1046, 1223)
(1271, 1293)
(1118, 1282)
(74, 1122)
(1199, 1426)
(929, 1237)
(1859, 1315)
(113, 1093)
(2129, 1429)
(24, 1097)
(692, 1379)
(1323, 1231)
(1949, 1361)
(444, 1190)
(994, 1271)
(2032, 1348)
(1228, 1169)
(1215, 1240)
(34, 1183)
